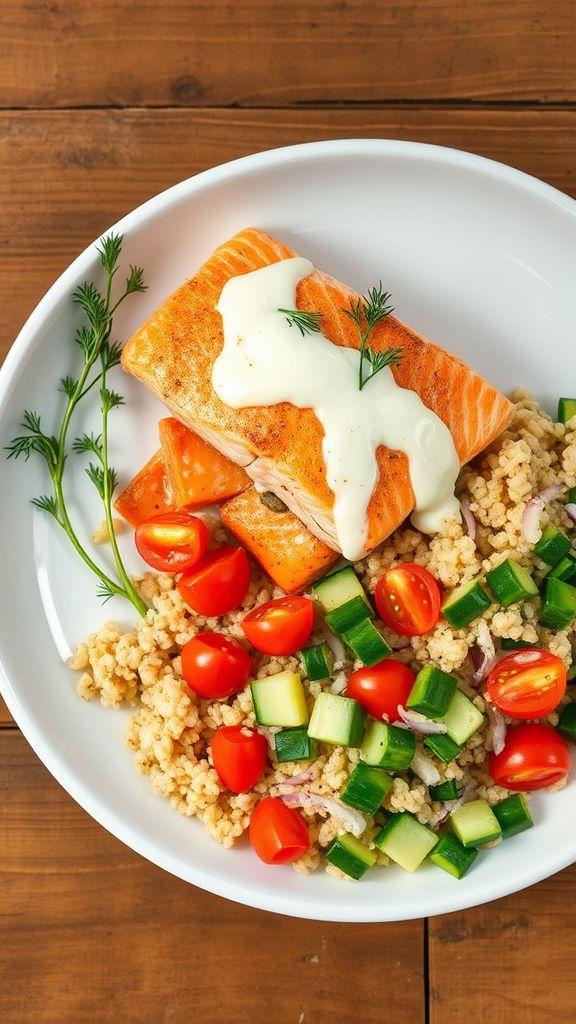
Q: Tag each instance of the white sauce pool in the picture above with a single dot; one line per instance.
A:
(266, 361)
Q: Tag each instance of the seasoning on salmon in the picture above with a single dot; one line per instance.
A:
(148, 493)
(279, 541)
(281, 445)
(198, 474)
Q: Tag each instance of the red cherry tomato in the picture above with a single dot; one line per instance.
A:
(214, 666)
(527, 684)
(382, 688)
(281, 626)
(278, 833)
(172, 541)
(408, 599)
(239, 756)
(534, 757)
(217, 583)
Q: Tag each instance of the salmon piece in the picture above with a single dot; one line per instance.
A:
(148, 493)
(286, 550)
(198, 474)
(280, 446)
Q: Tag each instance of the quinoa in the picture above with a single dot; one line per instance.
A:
(171, 729)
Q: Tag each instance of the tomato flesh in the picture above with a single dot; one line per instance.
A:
(527, 684)
(171, 542)
(382, 688)
(217, 583)
(240, 755)
(215, 666)
(278, 833)
(408, 599)
(535, 756)
(281, 626)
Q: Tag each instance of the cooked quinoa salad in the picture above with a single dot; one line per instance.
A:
(516, 505)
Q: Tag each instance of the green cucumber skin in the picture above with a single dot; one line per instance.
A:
(366, 789)
(445, 791)
(294, 745)
(462, 719)
(460, 823)
(552, 546)
(460, 611)
(510, 583)
(317, 661)
(348, 615)
(566, 409)
(513, 815)
(396, 831)
(332, 706)
(345, 853)
(507, 644)
(339, 588)
(387, 746)
(366, 643)
(565, 569)
(432, 692)
(559, 608)
(450, 855)
(567, 724)
(443, 747)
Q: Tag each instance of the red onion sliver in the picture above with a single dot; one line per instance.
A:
(570, 510)
(351, 818)
(497, 729)
(300, 778)
(469, 519)
(420, 723)
(534, 509)
(424, 767)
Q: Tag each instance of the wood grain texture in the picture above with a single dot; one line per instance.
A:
(98, 165)
(507, 961)
(116, 52)
(90, 933)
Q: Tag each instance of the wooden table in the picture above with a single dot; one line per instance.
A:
(102, 106)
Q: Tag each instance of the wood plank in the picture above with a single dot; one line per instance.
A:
(512, 959)
(89, 931)
(249, 53)
(88, 161)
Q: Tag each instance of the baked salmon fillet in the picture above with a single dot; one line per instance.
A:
(280, 446)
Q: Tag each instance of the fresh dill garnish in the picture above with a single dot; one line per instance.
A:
(307, 323)
(366, 313)
(100, 355)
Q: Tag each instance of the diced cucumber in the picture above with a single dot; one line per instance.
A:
(462, 719)
(566, 409)
(475, 823)
(366, 788)
(366, 643)
(450, 855)
(317, 661)
(294, 745)
(466, 603)
(280, 700)
(387, 746)
(552, 546)
(559, 608)
(445, 791)
(405, 840)
(337, 720)
(339, 588)
(443, 746)
(511, 582)
(513, 815)
(567, 724)
(351, 856)
(432, 692)
(507, 644)
(565, 570)
(347, 615)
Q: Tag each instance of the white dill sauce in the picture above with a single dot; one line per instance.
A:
(265, 360)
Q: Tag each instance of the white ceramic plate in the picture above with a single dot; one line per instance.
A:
(477, 256)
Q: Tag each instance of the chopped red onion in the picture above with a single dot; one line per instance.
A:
(534, 509)
(339, 683)
(351, 818)
(570, 510)
(419, 723)
(300, 778)
(497, 731)
(469, 519)
(336, 646)
(424, 768)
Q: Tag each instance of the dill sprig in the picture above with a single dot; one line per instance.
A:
(99, 356)
(366, 313)
(307, 323)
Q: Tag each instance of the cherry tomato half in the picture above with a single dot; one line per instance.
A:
(218, 582)
(239, 756)
(534, 757)
(215, 666)
(382, 688)
(278, 833)
(527, 684)
(281, 626)
(172, 542)
(408, 599)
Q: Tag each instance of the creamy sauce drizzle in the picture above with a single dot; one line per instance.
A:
(266, 361)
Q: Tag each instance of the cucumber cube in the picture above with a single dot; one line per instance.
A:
(443, 746)
(445, 791)
(566, 409)
(511, 582)
(513, 815)
(366, 789)
(475, 823)
(337, 720)
(462, 719)
(351, 856)
(366, 643)
(387, 746)
(294, 745)
(552, 546)
(432, 692)
(559, 608)
(565, 570)
(317, 661)
(451, 856)
(339, 588)
(279, 700)
(405, 840)
(348, 615)
(465, 603)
